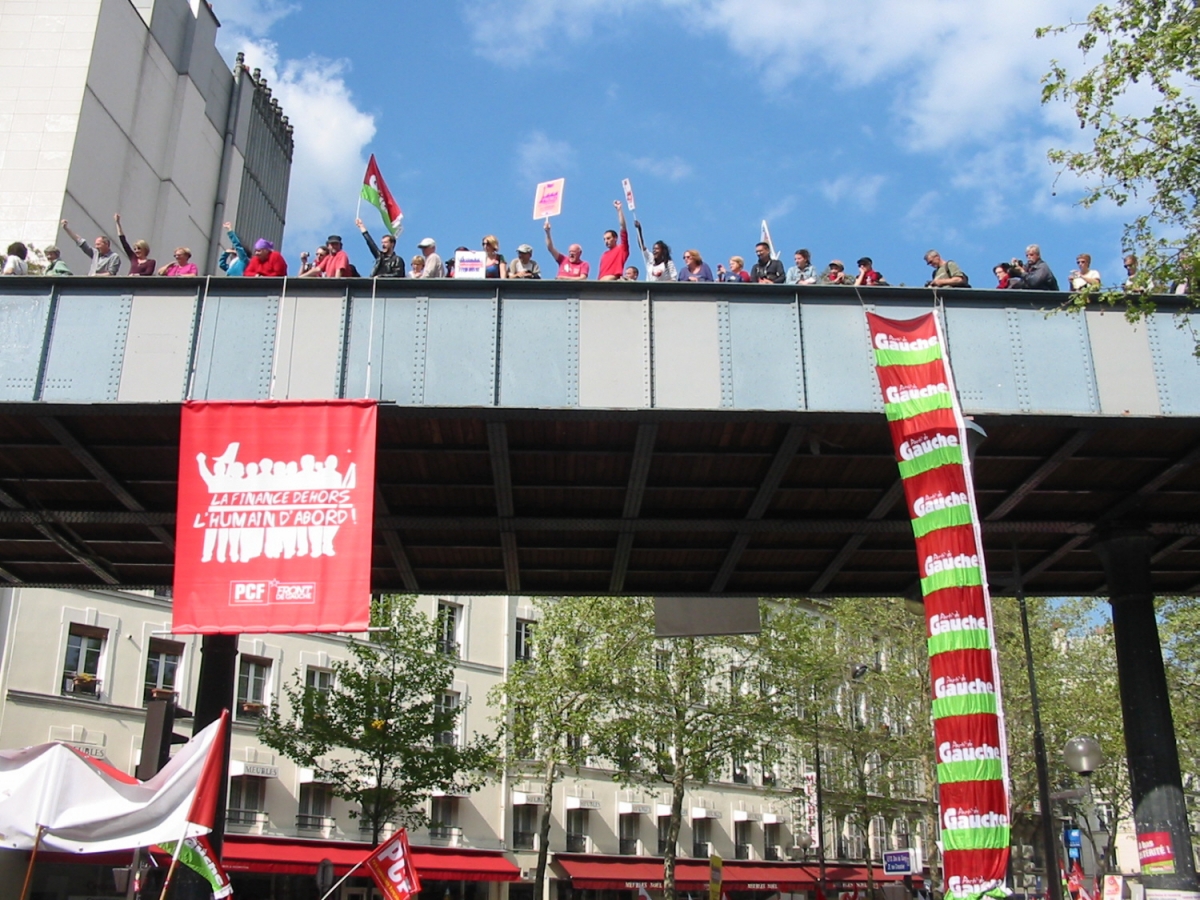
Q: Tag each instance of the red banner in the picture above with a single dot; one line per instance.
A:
(392, 868)
(930, 438)
(275, 510)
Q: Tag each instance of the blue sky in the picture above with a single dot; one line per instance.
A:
(863, 127)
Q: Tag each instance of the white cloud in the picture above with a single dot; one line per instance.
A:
(781, 208)
(330, 131)
(859, 190)
(959, 72)
(672, 168)
(540, 158)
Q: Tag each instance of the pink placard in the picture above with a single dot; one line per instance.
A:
(548, 199)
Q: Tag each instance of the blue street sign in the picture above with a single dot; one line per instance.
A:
(898, 862)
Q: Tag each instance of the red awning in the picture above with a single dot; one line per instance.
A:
(588, 871)
(291, 856)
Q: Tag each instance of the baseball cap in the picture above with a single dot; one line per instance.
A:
(427, 242)
(524, 248)
(334, 239)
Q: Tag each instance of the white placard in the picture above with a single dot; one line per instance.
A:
(628, 194)
(470, 264)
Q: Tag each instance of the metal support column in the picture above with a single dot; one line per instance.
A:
(1158, 805)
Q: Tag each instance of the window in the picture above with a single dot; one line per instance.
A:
(739, 768)
(525, 825)
(741, 840)
(771, 842)
(254, 674)
(878, 837)
(443, 816)
(81, 670)
(524, 648)
(316, 803)
(245, 800)
(577, 829)
(162, 667)
(446, 706)
(448, 615)
(319, 682)
(701, 838)
(664, 830)
(628, 832)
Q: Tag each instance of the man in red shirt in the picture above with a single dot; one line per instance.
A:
(616, 253)
(266, 261)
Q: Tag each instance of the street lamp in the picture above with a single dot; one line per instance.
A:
(1084, 755)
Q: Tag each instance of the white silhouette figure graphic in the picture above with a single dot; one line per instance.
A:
(273, 508)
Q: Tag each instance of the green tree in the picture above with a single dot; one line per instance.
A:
(377, 736)
(684, 710)
(1137, 104)
(854, 677)
(1180, 631)
(550, 704)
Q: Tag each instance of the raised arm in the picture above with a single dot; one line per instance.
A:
(237, 244)
(554, 254)
(367, 237)
(622, 229)
(75, 239)
(637, 226)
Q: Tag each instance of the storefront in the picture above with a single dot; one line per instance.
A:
(592, 877)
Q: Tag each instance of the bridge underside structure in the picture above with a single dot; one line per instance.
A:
(601, 438)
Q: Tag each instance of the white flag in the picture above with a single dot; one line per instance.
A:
(766, 239)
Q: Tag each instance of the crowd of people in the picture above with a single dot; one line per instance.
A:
(330, 260)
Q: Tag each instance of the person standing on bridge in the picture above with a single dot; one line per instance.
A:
(140, 262)
(267, 262)
(388, 263)
(1034, 275)
(946, 272)
(434, 267)
(54, 263)
(571, 266)
(616, 249)
(104, 260)
(766, 270)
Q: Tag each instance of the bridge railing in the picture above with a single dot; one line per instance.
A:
(548, 344)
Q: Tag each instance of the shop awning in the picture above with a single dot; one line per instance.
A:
(290, 856)
(588, 871)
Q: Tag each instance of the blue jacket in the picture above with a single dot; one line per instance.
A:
(238, 266)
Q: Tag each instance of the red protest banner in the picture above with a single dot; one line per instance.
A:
(391, 867)
(273, 532)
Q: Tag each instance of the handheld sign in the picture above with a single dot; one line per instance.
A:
(470, 264)
(548, 199)
(628, 194)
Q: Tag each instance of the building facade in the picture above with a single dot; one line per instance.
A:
(112, 106)
(80, 666)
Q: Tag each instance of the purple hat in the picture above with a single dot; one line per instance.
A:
(263, 244)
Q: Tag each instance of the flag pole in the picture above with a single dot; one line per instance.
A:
(174, 863)
(353, 868)
(358, 209)
(32, 859)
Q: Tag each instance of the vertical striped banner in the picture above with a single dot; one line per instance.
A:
(930, 439)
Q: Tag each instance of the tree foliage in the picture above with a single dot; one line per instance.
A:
(684, 710)
(376, 735)
(1137, 103)
(550, 705)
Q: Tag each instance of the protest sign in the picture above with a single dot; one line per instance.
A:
(470, 264)
(547, 201)
(628, 194)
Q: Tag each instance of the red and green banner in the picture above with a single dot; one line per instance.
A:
(930, 438)
(375, 191)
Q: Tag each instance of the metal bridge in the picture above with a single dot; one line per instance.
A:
(540, 437)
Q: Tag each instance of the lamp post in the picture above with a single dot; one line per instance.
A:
(1084, 755)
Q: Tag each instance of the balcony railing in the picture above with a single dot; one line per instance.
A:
(577, 843)
(80, 684)
(741, 851)
(450, 833)
(740, 776)
(772, 852)
(315, 823)
(701, 849)
(524, 840)
(245, 816)
(629, 846)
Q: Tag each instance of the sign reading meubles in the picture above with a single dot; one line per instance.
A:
(274, 518)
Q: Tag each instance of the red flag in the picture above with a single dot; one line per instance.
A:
(391, 867)
(208, 787)
(274, 517)
(375, 191)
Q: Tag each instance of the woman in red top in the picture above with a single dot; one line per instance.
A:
(266, 261)
(140, 262)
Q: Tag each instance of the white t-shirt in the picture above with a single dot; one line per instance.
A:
(14, 265)
(664, 271)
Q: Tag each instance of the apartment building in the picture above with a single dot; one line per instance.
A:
(79, 666)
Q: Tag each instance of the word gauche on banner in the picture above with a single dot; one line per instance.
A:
(930, 439)
(274, 517)
(392, 868)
